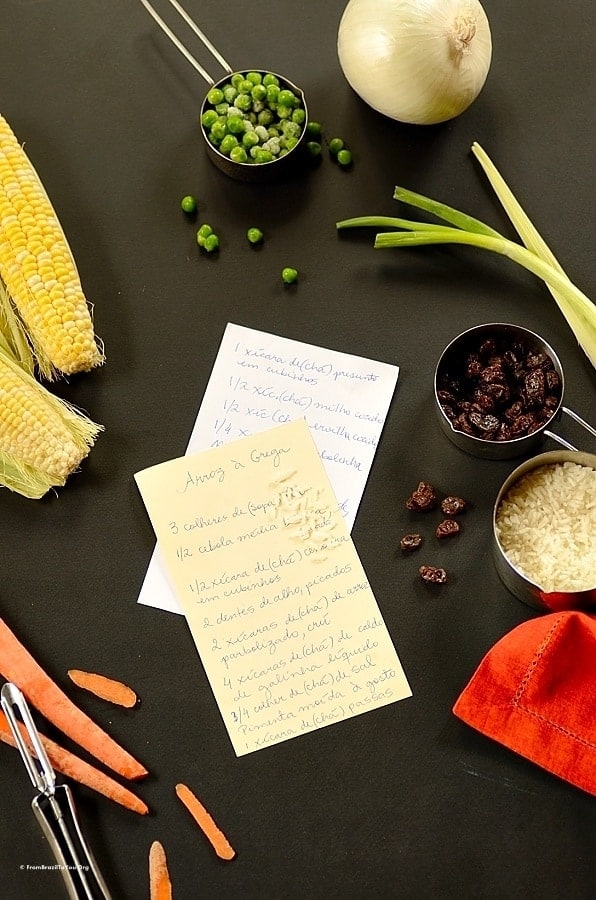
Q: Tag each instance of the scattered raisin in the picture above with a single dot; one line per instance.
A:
(423, 499)
(410, 542)
(433, 574)
(447, 528)
(453, 506)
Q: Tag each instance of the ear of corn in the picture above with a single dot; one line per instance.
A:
(43, 439)
(44, 299)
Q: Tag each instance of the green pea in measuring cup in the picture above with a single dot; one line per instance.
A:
(251, 171)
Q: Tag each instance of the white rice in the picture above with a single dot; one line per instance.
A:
(546, 525)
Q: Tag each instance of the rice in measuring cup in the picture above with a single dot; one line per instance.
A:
(546, 525)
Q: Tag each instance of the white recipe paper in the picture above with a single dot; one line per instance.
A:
(260, 380)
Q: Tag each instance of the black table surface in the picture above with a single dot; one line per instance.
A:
(405, 801)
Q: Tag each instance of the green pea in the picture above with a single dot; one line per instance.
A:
(203, 233)
(265, 117)
(314, 148)
(250, 139)
(238, 154)
(236, 78)
(188, 204)
(272, 93)
(335, 145)
(219, 129)
(228, 143)
(259, 92)
(245, 86)
(344, 157)
(314, 129)
(286, 98)
(211, 243)
(222, 108)
(215, 96)
(229, 92)
(243, 102)
(263, 156)
(208, 118)
(289, 275)
(254, 77)
(270, 79)
(283, 112)
(298, 116)
(254, 235)
(236, 125)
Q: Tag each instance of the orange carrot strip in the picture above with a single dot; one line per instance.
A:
(17, 665)
(70, 765)
(160, 886)
(205, 822)
(106, 688)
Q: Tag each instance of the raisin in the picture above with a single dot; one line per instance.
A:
(488, 348)
(473, 366)
(492, 375)
(410, 542)
(433, 574)
(446, 398)
(535, 387)
(460, 423)
(453, 506)
(447, 528)
(484, 402)
(538, 361)
(553, 381)
(486, 424)
(423, 499)
(524, 424)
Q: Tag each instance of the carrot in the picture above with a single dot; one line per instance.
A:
(160, 886)
(105, 688)
(70, 765)
(205, 822)
(17, 665)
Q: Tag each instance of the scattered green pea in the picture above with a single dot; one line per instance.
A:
(254, 235)
(313, 129)
(344, 157)
(289, 275)
(203, 233)
(314, 148)
(188, 204)
(335, 145)
(211, 243)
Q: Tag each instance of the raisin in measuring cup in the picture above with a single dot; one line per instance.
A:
(498, 390)
(258, 102)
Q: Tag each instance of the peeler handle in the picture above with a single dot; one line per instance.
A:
(59, 822)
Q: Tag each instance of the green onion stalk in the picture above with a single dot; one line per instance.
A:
(534, 255)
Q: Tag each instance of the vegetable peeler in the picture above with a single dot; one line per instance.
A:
(54, 805)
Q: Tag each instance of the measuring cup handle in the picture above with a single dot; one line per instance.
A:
(579, 420)
(559, 440)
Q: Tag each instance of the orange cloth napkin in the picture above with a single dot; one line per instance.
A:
(535, 692)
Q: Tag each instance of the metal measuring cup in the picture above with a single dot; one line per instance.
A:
(241, 171)
(512, 577)
(485, 447)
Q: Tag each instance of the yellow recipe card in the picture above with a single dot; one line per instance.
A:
(266, 573)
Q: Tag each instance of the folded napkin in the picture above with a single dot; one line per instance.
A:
(535, 692)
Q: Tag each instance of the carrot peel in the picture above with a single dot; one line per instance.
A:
(204, 820)
(106, 688)
(68, 764)
(160, 885)
(17, 665)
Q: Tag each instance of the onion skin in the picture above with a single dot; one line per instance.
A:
(416, 61)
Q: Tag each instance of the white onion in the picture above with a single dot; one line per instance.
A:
(417, 61)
